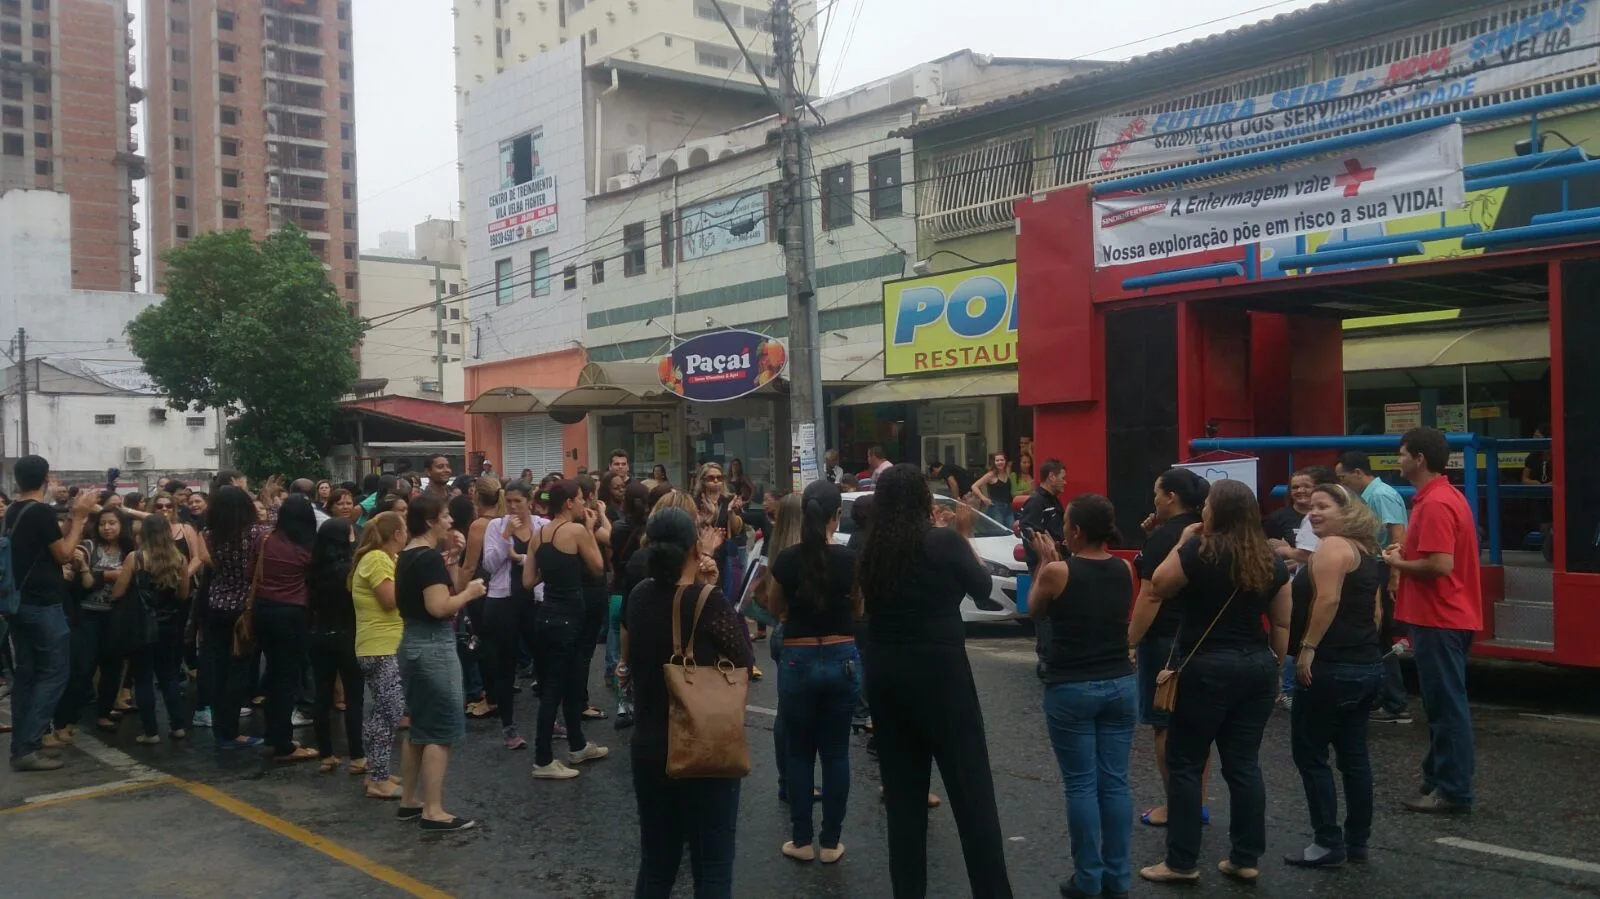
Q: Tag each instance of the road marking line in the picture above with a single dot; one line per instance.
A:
(761, 710)
(111, 789)
(116, 758)
(367, 866)
(1554, 861)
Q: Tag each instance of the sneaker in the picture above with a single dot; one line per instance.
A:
(33, 761)
(452, 824)
(147, 739)
(554, 771)
(1384, 716)
(246, 712)
(301, 719)
(202, 718)
(513, 740)
(588, 753)
(1286, 702)
(561, 729)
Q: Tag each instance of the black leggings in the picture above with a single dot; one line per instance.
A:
(558, 646)
(596, 609)
(925, 708)
(507, 619)
(483, 655)
(333, 657)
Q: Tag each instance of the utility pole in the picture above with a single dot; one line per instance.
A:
(805, 370)
(22, 389)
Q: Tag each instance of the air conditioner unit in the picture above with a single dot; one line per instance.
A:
(135, 455)
(718, 147)
(635, 156)
(619, 182)
(665, 164)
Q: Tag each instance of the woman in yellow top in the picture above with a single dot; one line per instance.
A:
(378, 630)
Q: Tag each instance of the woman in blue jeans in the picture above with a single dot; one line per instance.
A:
(1334, 626)
(1091, 693)
(820, 681)
(1224, 577)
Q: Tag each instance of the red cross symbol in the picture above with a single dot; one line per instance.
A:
(1354, 177)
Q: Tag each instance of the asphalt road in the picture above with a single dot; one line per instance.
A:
(181, 820)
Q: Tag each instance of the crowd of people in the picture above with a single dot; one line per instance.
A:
(404, 607)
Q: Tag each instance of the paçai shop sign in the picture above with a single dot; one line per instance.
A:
(948, 322)
(722, 365)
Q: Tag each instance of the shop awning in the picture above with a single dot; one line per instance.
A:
(1461, 346)
(911, 390)
(514, 400)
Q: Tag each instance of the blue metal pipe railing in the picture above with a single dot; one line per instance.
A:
(1294, 152)
(1507, 491)
(1469, 445)
(1428, 236)
(1395, 249)
(1571, 228)
(1534, 176)
(1511, 164)
(1546, 218)
(1214, 272)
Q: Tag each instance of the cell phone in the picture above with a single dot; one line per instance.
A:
(111, 484)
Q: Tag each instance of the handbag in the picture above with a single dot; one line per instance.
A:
(1166, 698)
(131, 623)
(244, 631)
(705, 706)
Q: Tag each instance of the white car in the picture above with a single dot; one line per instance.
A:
(996, 547)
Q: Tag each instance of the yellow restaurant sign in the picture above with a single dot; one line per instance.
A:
(957, 320)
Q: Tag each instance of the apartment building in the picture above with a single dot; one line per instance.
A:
(66, 125)
(414, 350)
(252, 124)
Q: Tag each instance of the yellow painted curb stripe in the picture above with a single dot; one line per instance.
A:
(305, 837)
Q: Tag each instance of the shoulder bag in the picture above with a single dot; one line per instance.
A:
(705, 706)
(244, 631)
(131, 623)
(1166, 697)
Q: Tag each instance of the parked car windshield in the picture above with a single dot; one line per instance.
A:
(982, 525)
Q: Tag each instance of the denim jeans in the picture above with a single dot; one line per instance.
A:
(42, 641)
(160, 666)
(1225, 697)
(1392, 692)
(1333, 711)
(702, 812)
(780, 729)
(817, 696)
(1091, 730)
(83, 655)
(613, 633)
(228, 674)
(1441, 657)
(1291, 686)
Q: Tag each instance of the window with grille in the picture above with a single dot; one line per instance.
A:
(569, 278)
(540, 262)
(972, 190)
(503, 289)
(105, 419)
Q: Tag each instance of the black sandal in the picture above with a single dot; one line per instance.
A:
(452, 824)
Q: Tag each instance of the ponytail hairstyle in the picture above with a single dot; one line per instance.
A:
(489, 496)
(821, 504)
(159, 553)
(375, 536)
(1093, 516)
(673, 537)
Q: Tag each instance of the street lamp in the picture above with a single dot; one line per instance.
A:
(923, 266)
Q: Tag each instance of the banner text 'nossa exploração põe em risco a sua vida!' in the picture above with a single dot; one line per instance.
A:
(1396, 179)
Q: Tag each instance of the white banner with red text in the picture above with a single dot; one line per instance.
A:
(1402, 178)
(1564, 37)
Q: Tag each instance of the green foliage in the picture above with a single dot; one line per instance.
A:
(257, 329)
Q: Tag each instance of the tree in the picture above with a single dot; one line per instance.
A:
(255, 328)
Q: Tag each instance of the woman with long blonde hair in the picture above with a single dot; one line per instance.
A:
(158, 574)
(378, 631)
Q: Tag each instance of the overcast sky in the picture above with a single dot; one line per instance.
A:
(405, 73)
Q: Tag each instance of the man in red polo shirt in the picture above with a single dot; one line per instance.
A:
(1440, 598)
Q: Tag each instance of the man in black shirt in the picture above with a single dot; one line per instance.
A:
(1044, 512)
(39, 630)
(1179, 496)
(956, 478)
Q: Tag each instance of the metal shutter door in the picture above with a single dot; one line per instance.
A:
(530, 441)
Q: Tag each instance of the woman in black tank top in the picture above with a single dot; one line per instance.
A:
(1339, 664)
(565, 551)
(1091, 694)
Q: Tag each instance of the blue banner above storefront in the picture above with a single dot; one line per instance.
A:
(722, 365)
